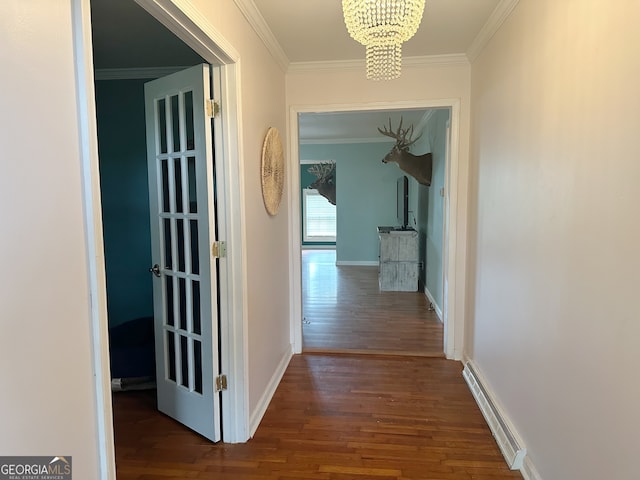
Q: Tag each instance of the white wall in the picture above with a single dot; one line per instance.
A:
(47, 404)
(330, 89)
(553, 320)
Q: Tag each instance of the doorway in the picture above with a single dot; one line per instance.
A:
(359, 316)
(452, 329)
(232, 336)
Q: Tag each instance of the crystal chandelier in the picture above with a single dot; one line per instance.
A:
(381, 26)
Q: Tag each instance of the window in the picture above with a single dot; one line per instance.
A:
(318, 218)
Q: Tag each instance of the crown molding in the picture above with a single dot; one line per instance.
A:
(343, 141)
(259, 25)
(495, 21)
(135, 73)
(408, 62)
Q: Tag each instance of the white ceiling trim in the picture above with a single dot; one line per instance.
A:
(430, 60)
(193, 28)
(495, 21)
(343, 141)
(135, 73)
(259, 25)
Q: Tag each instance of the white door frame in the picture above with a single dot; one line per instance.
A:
(455, 215)
(191, 27)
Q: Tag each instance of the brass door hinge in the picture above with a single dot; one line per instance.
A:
(212, 107)
(221, 383)
(219, 249)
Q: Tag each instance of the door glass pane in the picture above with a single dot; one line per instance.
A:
(162, 125)
(195, 307)
(180, 244)
(188, 120)
(184, 361)
(195, 263)
(171, 356)
(182, 293)
(177, 175)
(164, 168)
(191, 172)
(175, 123)
(197, 366)
(168, 294)
(167, 243)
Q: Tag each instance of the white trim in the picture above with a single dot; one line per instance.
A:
(233, 331)
(265, 399)
(295, 242)
(491, 26)
(359, 64)
(187, 23)
(260, 26)
(455, 288)
(365, 263)
(432, 300)
(136, 73)
(507, 438)
(87, 127)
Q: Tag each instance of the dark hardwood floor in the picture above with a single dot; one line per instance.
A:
(345, 311)
(333, 417)
(336, 416)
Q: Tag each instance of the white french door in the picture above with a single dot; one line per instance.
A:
(181, 191)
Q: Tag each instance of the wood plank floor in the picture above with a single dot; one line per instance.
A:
(345, 311)
(333, 417)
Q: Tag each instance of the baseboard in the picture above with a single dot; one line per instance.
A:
(265, 400)
(508, 440)
(357, 264)
(436, 308)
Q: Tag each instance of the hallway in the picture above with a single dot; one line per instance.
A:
(345, 311)
(333, 417)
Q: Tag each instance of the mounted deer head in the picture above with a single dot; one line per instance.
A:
(418, 166)
(326, 182)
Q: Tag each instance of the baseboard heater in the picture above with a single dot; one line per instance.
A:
(510, 447)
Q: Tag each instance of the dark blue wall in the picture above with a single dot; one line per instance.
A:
(125, 198)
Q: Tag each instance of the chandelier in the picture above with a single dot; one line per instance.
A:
(381, 26)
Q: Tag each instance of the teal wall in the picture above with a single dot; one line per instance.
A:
(365, 195)
(125, 202)
(431, 205)
(307, 179)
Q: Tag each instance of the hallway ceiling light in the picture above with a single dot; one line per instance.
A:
(382, 26)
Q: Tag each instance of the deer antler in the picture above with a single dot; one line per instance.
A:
(402, 137)
(322, 170)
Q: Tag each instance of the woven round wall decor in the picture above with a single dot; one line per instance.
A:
(272, 171)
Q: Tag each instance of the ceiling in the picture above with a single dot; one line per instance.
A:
(126, 36)
(314, 30)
